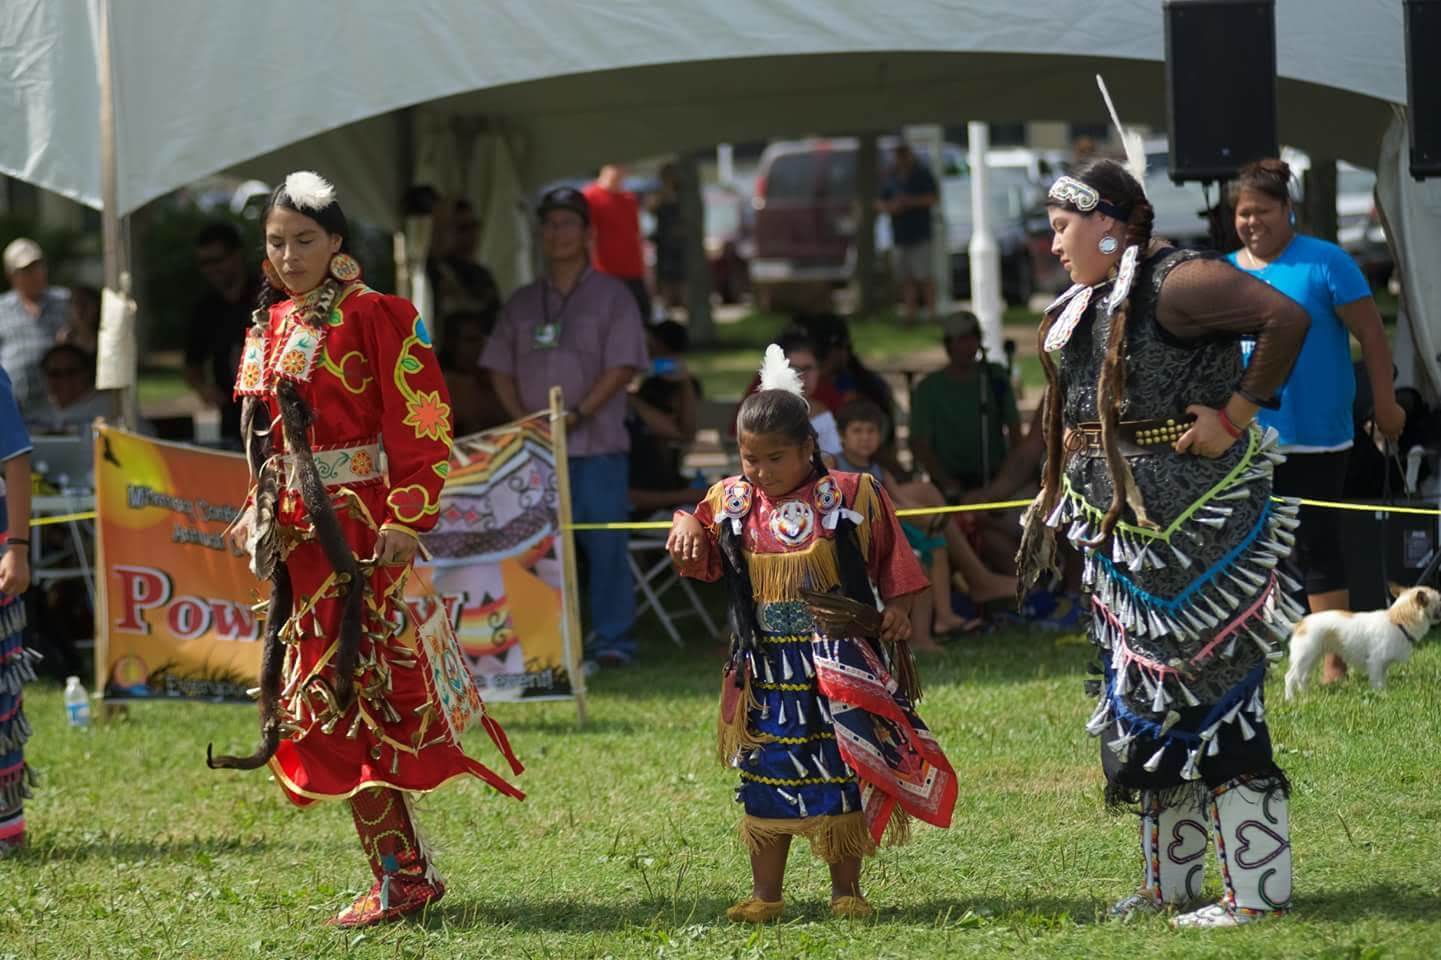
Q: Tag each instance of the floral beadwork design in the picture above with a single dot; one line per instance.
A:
(428, 415)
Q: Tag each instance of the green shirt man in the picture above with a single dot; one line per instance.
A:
(953, 408)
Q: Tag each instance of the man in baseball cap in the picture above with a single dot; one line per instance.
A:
(578, 329)
(564, 198)
(32, 314)
(21, 253)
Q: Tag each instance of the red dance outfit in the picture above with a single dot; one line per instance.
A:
(368, 374)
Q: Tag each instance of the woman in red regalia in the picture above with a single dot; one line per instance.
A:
(332, 374)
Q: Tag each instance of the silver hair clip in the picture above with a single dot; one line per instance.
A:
(1070, 190)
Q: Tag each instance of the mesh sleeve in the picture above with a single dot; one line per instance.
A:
(1209, 297)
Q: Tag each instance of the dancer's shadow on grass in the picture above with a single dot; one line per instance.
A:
(1367, 903)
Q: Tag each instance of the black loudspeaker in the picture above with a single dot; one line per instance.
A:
(1423, 86)
(1220, 85)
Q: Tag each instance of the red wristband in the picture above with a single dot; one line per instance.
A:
(1229, 425)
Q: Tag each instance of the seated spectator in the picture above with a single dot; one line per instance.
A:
(804, 357)
(83, 327)
(936, 539)
(844, 370)
(73, 403)
(473, 399)
(962, 414)
(661, 421)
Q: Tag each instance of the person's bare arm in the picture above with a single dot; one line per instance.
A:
(15, 563)
(1364, 321)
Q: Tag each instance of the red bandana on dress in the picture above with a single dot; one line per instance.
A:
(882, 738)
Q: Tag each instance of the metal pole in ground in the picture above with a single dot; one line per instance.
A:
(985, 253)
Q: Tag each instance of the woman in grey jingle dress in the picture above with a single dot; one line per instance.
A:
(1155, 473)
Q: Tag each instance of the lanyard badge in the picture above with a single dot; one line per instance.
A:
(546, 336)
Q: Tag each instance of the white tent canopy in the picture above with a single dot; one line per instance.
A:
(493, 99)
(203, 87)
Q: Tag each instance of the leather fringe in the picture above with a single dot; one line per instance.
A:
(778, 577)
(832, 839)
(735, 737)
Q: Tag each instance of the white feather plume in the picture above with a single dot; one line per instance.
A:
(308, 190)
(778, 374)
(1131, 141)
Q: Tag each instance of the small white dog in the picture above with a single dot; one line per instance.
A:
(1372, 640)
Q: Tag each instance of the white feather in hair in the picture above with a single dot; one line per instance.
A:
(778, 374)
(308, 190)
(1131, 141)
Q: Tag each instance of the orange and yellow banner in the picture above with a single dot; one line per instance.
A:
(177, 602)
(178, 607)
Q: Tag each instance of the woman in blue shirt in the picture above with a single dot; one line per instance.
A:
(1314, 416)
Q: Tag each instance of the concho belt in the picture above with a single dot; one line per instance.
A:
(1135, 436)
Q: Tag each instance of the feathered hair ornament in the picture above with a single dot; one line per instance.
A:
(778, 374)
(1131, 141)
(308, 190)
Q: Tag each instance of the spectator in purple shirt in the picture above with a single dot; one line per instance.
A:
(580, 329)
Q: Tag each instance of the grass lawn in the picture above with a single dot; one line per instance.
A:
(626, 848)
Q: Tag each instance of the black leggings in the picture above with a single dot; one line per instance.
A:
(1318, 558)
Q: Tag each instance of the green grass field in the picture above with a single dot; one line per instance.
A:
(625, 847)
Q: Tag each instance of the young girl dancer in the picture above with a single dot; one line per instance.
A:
(821, 727)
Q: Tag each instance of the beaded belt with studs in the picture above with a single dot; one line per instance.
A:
(1135, 436)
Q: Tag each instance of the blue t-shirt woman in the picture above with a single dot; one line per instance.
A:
(1314, 418)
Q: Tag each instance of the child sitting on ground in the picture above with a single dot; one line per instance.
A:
(941, 545)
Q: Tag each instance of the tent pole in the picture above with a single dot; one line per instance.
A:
(112, 229)
(697, 265)
(985, 253)
(868, 178)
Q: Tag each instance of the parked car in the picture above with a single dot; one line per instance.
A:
(806, 216)
(1012, 189)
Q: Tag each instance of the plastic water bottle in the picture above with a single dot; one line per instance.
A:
(77, 703)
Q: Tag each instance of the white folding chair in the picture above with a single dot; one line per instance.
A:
(655, 576)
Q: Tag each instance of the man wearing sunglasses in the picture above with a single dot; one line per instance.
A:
(218, 323)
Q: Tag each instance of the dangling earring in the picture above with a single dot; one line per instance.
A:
(344, 268)
(1108, 245)
(270, 275)
(1291, 216)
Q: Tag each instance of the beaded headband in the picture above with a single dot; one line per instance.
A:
(1068, 191)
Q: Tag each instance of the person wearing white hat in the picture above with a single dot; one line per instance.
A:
(32, 314)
